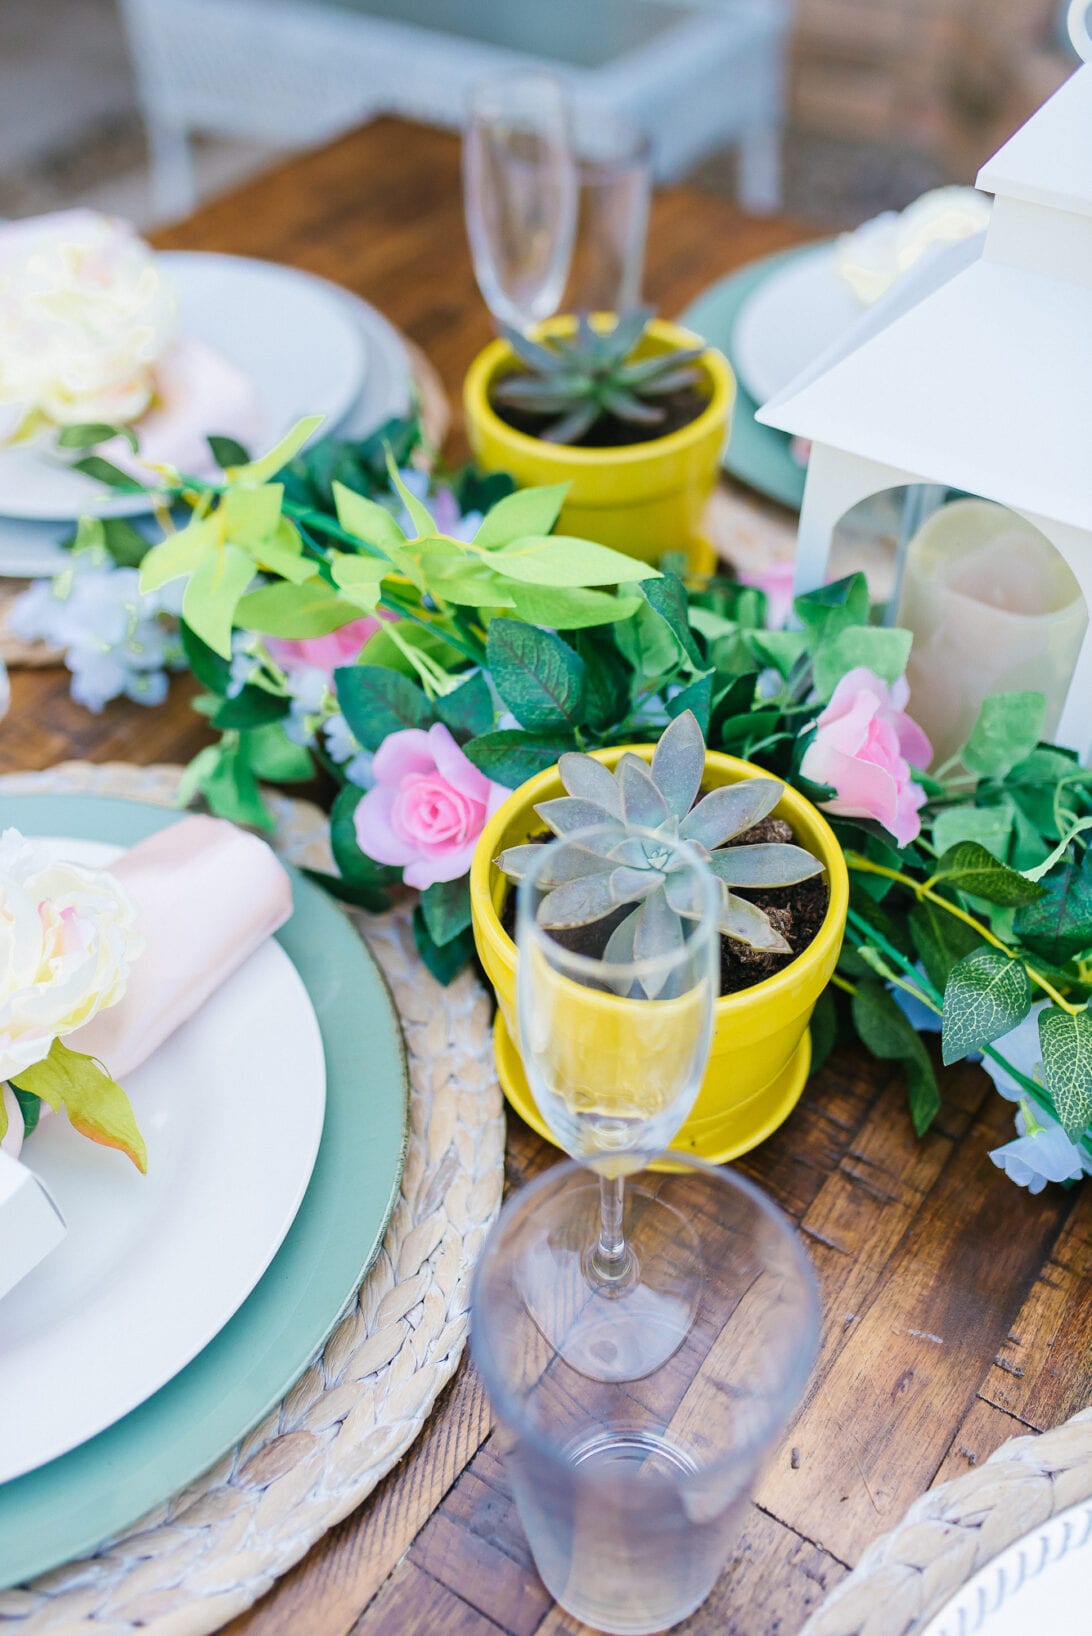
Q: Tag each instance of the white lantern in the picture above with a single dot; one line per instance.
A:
(981, 383)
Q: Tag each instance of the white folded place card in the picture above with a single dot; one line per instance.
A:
(30, 1223)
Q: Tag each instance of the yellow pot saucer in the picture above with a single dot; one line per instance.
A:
(776, 1100)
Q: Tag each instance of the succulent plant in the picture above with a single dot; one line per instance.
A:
(583, 377)
(631, 807)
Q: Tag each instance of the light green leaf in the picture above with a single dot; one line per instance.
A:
(251, 514)
(268, 465)
(468, 583)
(991, 827)
(881, 650)
(559, 559)
(528, 511)
(781, 649)
(361, 578)
(1066, 1044)
(367, 520)
(95, 1104)
(214, 589)
(295, 611)
(179, 553)
(986, 994)
(282, 554)
(569, 608)
(1008, 728)
(423, 520)
(970, 868)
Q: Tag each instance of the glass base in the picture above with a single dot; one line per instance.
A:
(611, 1328)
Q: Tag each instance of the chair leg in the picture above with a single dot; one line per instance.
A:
(760, 170)
(173, 182)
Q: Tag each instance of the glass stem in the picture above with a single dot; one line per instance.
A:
(611, 1258)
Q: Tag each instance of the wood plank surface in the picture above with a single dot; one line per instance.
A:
(956, 1308)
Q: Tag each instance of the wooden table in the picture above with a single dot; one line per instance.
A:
(957, 1307)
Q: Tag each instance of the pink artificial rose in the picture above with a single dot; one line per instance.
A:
(865, 746)
(428, 806)
(326, 653)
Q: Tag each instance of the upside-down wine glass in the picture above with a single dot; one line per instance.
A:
(615, 1022)
(520, 190)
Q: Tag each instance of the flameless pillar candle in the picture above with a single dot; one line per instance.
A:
(994, 608)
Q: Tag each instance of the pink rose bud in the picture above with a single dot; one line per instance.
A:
(428, 806)
(865, 747)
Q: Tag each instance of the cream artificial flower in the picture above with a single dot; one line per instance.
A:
(879, 252)
(68, 937)
(85, 314)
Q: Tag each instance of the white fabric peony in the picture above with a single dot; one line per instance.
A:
(68, 937)
(85, 315)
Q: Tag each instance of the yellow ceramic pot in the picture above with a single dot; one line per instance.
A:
(644, 498)
(761, 1047)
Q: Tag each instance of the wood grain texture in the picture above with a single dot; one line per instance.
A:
(956, 1308)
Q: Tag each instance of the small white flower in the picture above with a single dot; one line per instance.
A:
(309, 691)
(68, 936)
(1041, 1153)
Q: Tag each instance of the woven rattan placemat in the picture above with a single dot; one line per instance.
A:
(215, 1548)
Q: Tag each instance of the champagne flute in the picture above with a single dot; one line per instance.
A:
(618, 975)
(520, 189)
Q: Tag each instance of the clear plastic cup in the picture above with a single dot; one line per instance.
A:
(631, 1489)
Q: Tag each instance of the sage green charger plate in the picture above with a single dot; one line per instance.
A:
(68, 1507)
(757, 455)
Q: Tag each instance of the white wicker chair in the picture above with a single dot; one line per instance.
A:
(296, 72)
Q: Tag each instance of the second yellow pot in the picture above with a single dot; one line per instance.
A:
(645, 499)
(761, 1048)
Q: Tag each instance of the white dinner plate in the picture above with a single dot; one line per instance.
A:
(286, 331)
(152, 1267)
(791, 318)
(29, 550)
(1040, 1584)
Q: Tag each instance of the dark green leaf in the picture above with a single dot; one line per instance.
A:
(253, 707)
(376, 701)
(468, 711)
(358, 894)
(991, 827)
(511, 757)
(446, 908)
(30, 1106)
(968, 867)
(355, 866)
(89, 433)
(1006, 732)
(226, 451)
(882, 650)
(832, 608)
(888, 1034)
(230, 787)
(211, 670)
(104, 471)
(275, 757)
(823, 1029)
(126, 545)
(987, 994)
(1059, 925)
(538, 676)
(1066, 1044)
(608, 681)
(667, 596)
(940, 941)
(696, 696)
(445, 961)
(781, 649)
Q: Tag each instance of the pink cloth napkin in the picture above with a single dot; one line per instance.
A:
(207, 895)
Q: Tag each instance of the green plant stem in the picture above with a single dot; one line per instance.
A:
(921, 890)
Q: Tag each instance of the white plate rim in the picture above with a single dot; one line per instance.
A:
(972, 1608)
(305, 1105)
(814, 266)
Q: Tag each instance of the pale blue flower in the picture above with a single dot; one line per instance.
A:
(360, 770)
(309, 692)
(341, 746)
(1041, 1153)
(1020, 1046)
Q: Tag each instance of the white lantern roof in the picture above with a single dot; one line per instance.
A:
(983, 382)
